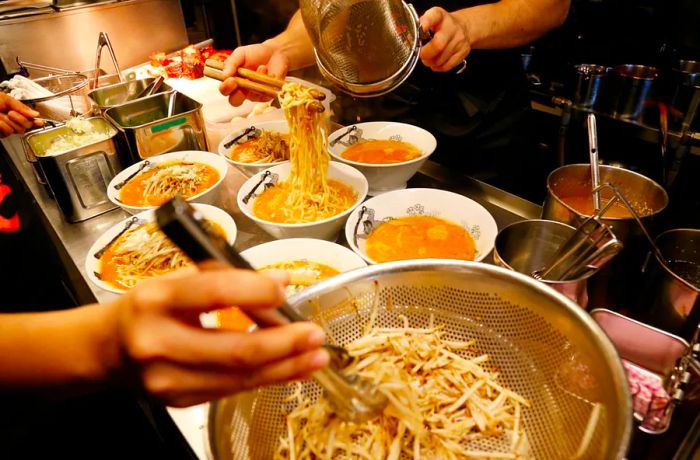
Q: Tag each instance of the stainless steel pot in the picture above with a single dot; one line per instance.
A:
(529, 245)
(685, 81)
(634, 90)
(162, 123)
(671, 290)
(607, 289)
(591, 82)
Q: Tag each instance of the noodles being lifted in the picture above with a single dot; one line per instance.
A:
(163, 181)
(443, 404)
(307, 195)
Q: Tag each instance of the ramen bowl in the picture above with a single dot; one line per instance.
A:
(449, 206)
(300, 254)
(208, 195)
(92, 261)
(324, 229)
(250, 169)
(383, 177)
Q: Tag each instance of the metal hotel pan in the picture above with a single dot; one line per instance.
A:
(106, 97)
(547, 349)
(78, 178)
(147, 130)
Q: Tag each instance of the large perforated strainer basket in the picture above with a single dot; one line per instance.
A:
(364, 47)
(546, 347)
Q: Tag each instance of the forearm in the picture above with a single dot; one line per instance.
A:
(65, 348)
(511, 23)
(295, 43)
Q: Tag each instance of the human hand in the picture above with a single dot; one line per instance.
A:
(15, 117)
(450, 44)
(160, 345)
(261, 57)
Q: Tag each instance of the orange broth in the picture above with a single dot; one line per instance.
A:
(381, 152)
(583, 204)
(420, 237)
(271, 204)
(132, 194)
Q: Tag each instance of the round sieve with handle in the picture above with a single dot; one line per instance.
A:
(364, 47)
(545, 347)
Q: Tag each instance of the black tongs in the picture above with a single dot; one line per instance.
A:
(353, 398)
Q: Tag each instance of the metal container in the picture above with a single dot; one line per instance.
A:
(672, 289)
(69, 97)
(106, 97)
(78, 178)
(606, 289)
(685, 81)
(545, 347)
(650, 357)
(161, 123)
(591, 82)
(529, 245)
(634, 90)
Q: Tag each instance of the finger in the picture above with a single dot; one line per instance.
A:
(181, 386)
(20, 119)
(5, 129)
(278, 66)
(448, 53)
(435, 47)
(234, 61)
(204, 290)
(262, 69)
(432, 18)
(16, 128)
(38, 122)
(237, 98)
(228, 87)
(453, 62)
(211, 348)
(17, 106)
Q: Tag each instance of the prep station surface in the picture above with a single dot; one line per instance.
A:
(73, 241)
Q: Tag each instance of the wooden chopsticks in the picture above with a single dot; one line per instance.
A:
(245, 78)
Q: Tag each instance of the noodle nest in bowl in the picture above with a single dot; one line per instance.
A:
(194, 175)
(135, 250)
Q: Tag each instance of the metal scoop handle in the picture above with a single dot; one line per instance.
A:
(353, 400)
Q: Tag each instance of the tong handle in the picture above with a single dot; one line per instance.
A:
(180, 222)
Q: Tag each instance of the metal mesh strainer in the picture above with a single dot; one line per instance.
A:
(365, 47)
(546, 347)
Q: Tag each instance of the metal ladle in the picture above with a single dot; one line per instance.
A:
(593, 153)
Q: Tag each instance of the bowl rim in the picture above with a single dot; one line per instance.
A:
(217, 162)
(371, 261)
(149, 216)
(230, 135)
(361, 195)
(423, 157)
(312, 241)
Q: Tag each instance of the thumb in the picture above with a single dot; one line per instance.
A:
(432, 18)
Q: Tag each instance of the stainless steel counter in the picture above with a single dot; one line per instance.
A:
(74, 240)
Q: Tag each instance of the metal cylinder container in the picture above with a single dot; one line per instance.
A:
(634, 89)
(647, 196)
(529, 245)
(591, 82)
(671, 288)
